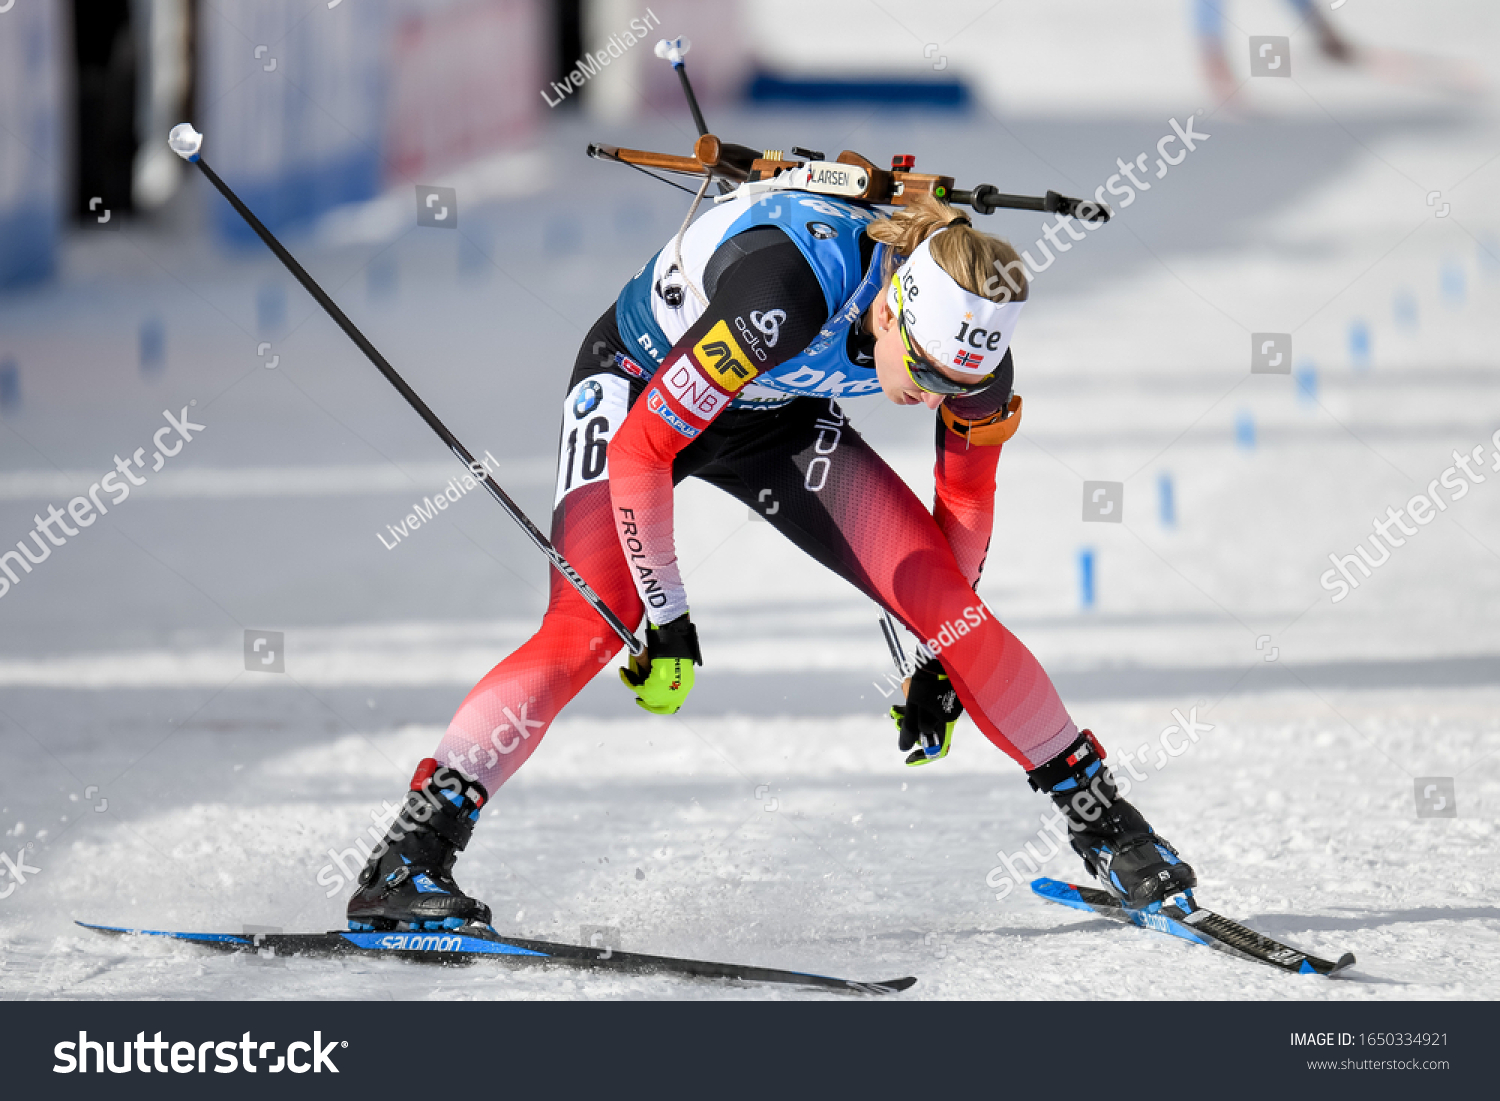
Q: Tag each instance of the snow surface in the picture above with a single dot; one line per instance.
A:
(772, 823)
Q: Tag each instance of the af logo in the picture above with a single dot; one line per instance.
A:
(821, 230)
(588, 400)
(720, 354)
(669, 288)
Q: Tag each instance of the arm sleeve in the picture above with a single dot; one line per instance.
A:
(697, 380)
(965, 472)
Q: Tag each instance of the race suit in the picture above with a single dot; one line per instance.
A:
(742, 393)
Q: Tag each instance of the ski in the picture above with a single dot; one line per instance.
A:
(1194, 924)
(474, 944)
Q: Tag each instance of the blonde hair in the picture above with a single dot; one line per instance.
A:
(979, 263)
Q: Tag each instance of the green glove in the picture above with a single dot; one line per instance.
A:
(925, 724)
(663, 676)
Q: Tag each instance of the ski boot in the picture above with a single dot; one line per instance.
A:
(1118, 846)
(408, 881)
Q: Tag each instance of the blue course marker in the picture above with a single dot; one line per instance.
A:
(1455, 283)
(270, 309)
(10, 385)
(1167, 498)
(1404, 308)
(153, 346)
(1489, 254)
(382, 278)
(1244, 429)
(1306, 376)
(1359, 343)
(1086, 577)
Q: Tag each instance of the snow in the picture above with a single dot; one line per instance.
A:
(772, 823)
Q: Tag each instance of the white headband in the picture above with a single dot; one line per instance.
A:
(965, 333)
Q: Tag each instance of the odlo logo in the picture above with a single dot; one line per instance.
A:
(769, 323)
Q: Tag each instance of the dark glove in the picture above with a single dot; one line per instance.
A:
(662, 677)
(925, 724)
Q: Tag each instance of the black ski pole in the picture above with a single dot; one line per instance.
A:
(673, 50)
(186, 142)
(893, 640)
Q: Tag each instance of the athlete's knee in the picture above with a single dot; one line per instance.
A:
(950, 623)
(577, 641)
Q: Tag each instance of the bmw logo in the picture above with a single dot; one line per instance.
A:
(821, 230)
(588, 399)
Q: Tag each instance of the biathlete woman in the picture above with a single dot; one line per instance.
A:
(723, 359)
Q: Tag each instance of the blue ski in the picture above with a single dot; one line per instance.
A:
(476, 943)
(1191, 922)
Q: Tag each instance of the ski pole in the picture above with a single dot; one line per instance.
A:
(673, 50)
(893, 640)
(888, 628)
(186, 143)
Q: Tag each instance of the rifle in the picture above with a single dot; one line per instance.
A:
(848, 176)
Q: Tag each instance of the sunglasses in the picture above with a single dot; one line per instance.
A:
(922, 370)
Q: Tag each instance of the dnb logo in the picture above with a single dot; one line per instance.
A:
(588, 399)
(721, 355)
(684, 382)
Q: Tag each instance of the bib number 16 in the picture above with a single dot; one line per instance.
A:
(594, 409)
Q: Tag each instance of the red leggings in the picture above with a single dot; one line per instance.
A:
(837, 500)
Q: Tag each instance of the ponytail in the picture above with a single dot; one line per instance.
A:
(981, 264)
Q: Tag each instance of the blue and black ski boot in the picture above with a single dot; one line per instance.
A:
(1118, 845)
(408, 881)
